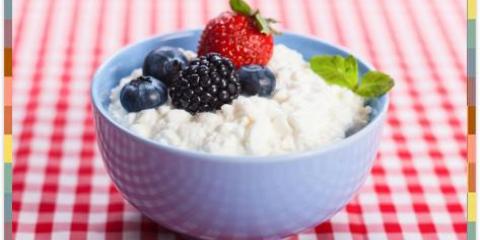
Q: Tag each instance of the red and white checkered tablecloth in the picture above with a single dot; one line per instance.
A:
(417, 188)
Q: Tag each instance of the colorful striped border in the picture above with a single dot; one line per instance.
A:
(471, 139)
(471, 67)
(7, 137)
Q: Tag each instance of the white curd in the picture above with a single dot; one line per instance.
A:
(304, 113)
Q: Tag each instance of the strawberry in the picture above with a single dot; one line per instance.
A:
(243, 35)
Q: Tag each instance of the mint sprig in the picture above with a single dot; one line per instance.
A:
(374, 84)
(343, 71)
(335, 70)
(264, 25)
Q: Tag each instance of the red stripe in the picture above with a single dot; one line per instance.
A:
(366, 35)
(25, 135)
(148, 229)
(81, 206)
(283, 13)
(179, 12)
(205, 11)
(336, 23)
(448, 41)
(312, 24)
(55, 154)
(378, 171)
(429, 135)
(325, 229)
(356, 223)
(126, 31)
(153, 17)
(461, 12)
(442, 91)
(20, 29)
(403, 151)
(114, 225)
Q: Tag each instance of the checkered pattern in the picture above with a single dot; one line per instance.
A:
(417, 187)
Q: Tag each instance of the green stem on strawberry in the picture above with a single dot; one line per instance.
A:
(264, 25)
(241, 7)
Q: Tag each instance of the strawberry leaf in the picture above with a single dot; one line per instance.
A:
(241, 7)
(264, 24)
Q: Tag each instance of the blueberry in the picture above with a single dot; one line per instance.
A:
(143, 93)
(256, 80)
(164, 63)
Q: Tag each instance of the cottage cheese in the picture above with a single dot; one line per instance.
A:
(304, 113)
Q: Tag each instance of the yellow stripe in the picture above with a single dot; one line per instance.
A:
(471, 207)
(7, 148)
(471, 9)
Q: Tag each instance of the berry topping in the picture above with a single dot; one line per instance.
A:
(256, 80)
(244, 36)
(143, 93)
(205, 85)
(164, 63)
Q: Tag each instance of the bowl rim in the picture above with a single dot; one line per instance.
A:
(205, 156)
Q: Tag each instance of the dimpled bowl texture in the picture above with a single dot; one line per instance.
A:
(223, 197)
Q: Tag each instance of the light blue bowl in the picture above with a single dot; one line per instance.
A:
(223, 197)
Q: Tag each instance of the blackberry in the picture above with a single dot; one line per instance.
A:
(205, 84)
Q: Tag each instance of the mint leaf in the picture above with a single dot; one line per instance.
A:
(336, 70)
(374, 84)
(240, 6)
(351, 70)
(343, 71)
